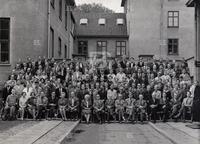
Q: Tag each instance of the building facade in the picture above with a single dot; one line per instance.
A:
(196, 5)
(34, 28)
(101, 33)
(160, 28)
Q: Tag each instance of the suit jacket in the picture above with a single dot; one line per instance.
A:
(58, 92)
(6, 93)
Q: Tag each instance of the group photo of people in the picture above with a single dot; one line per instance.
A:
(123, 90)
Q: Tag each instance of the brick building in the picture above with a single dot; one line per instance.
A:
(101, 33)
(32, 28)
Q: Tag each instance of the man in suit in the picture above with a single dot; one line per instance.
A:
(59, 91)
(196, 103)
(153, 104)
(6, 91)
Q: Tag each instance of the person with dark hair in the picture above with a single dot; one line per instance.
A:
(53, 105)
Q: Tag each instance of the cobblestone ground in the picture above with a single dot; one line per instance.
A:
(116, 134)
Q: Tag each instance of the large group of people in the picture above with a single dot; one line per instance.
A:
(121, 89)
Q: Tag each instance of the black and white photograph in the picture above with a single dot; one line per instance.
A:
(99, 71)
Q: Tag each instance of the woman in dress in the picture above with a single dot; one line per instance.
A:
(63, 104)
(86, 107)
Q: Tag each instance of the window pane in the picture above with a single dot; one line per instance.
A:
(170, 22)
(175, 50)
(4, 24)
(4, 34)
(170, 13)
(123, 44)
(123, 50)
(118, 43)
(104, 44)
(118, 51)
(175, 21)
(99, 44)
(175, 14)
(4, 57)
(4, 46)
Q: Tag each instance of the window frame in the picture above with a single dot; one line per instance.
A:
(121, 47)
(59, 46)
(52, 42)
(173, 17)
(106, 45)
(173, 46)
(5, 40)
(83, 52)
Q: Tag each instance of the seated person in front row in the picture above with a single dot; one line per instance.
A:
(154, 102)
(32, 104)
(109, 108)
(98, 108)
(73, 106)
(42, 102)
(186, 105)
(119, 107)
(53, 105)
(22, 105)
(130, 107)
(63, 105)
(11, 103)
(141, 107)
(86, 107)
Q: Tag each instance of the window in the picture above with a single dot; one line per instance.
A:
(120, 48)
(65, 51)
(101, 46)
(52, 41)
(120, 21)
(102, 21)
(4, 40)
(83, 47)
(83, 21)
(173, 46)
(53, 3)
(60, 9)
(66, 20)
(59, 46)
(173, 19)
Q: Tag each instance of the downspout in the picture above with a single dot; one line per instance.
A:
(48, 26)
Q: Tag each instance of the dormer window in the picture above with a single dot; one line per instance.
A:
(120, 21)
(83, 21)
(102, 21)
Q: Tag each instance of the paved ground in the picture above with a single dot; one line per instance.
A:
(116, 134)
(34, 132)
(179, 133)
(11, 128)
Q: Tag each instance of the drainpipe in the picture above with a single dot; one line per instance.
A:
(48, 26)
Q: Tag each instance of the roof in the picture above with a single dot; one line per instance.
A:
(123, 3)
(190, 3)
(93, 29)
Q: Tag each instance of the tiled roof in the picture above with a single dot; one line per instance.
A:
(93, 29)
